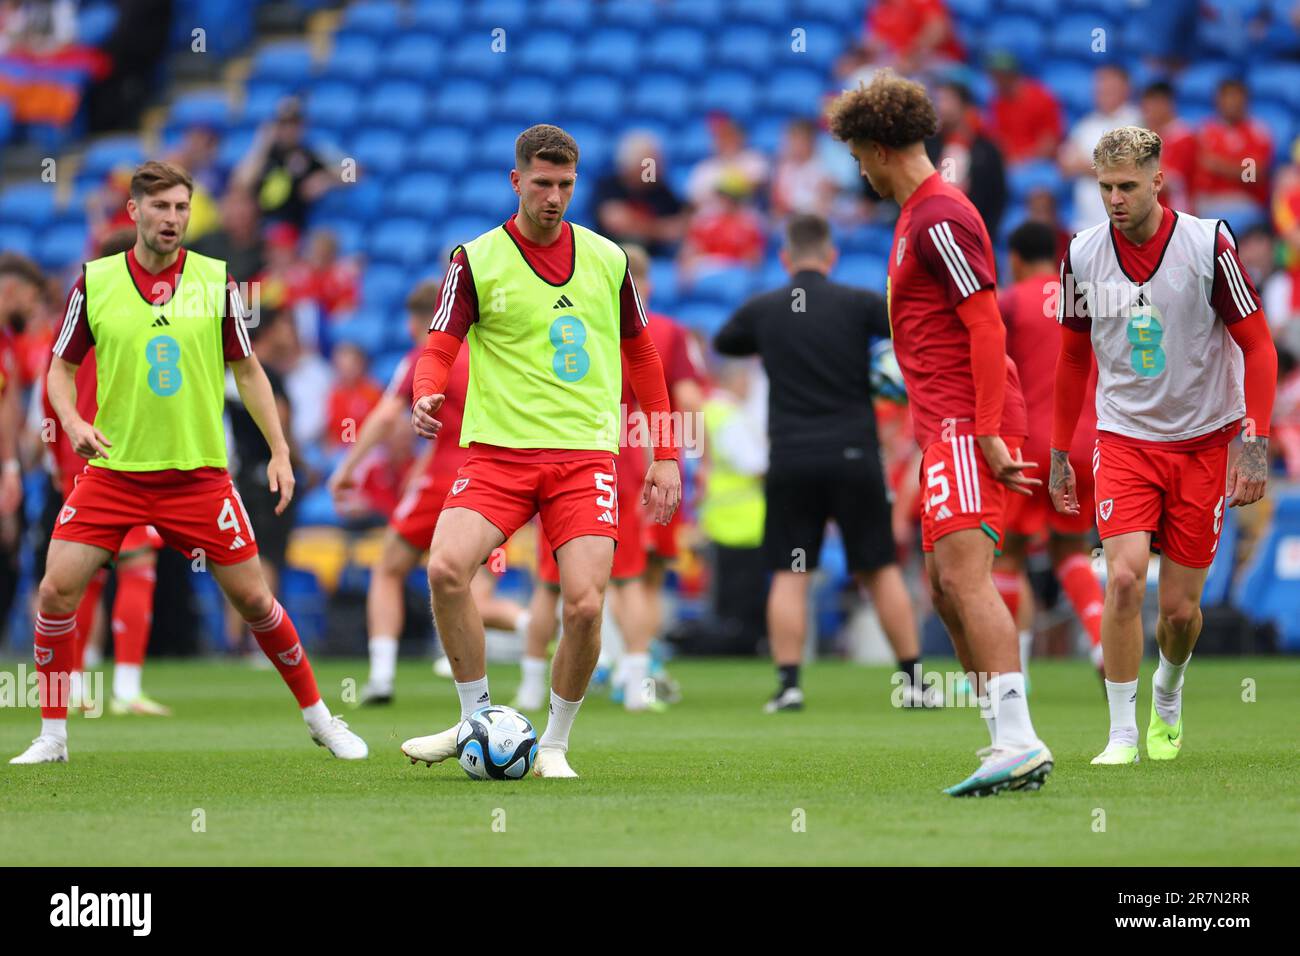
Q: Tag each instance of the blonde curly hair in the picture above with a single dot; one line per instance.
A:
(1127, 144)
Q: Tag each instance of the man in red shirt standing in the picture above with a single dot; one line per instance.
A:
(950, 344)
(1178, 158)
(1024, 117)
(1234, 155)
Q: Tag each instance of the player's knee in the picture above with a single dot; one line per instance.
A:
(1180, 615)
(583, 610)
(1123, 589)
(445, 575)
(54, 599)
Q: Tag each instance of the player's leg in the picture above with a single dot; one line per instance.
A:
(245, 587)
(69, 566)
(88, 652)
(542, 624)
(585, 563)
(1012, 583)
(1127, 556)
(631, 605)
(501, 614)
(137, 565)
(1071, 558)
(386, 613)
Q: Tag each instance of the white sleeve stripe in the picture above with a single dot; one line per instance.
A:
(443, 315)
(69, 321)
(946, 228)
(958, 277)
(640, 310)
(1232, 284)
(1245, 302)
(241, 330)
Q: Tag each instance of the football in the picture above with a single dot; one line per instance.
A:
(886, 376)
(496, 743)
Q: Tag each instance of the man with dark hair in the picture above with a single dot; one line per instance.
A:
(815, 338)
(973, 161)
(157, 449)
(966, 408)
(283, 173)
(548, 306)
(1228, 143)
(1178, 153)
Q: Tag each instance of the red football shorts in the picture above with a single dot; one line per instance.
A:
(959, 492)
(1029, 517)
(574, 498)
(416, 515)
(1178, 496)
(629, 552)
(195, 515)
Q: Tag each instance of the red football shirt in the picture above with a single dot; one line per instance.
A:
(941, 255)
(448, 456)
(1234, 144)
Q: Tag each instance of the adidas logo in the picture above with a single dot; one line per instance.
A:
(607, 518)
(161, 320)
(484, 699)
(238, 543)
(563, 302)
(1012, 694)
(943, 513)
(1133, 698)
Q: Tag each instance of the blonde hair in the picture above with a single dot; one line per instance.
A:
(1127, 144)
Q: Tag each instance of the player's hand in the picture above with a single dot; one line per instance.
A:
(1061, 485)
(1005, 468)
(341, 481)
(1249, 475)
(422, 412)
(662, 490)
(279, 474)
(87, 440)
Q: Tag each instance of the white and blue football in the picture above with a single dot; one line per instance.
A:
(496, 743)
(886, 376)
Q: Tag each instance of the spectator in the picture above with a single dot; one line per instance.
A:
(1111, 110)
(1233, 158)
(1178, 145)
(106, 206)
(37, 27)
(1024, 117)
(352, 396)
(909, 35)
(306, 379)
(731, 160)
(1257, 251)
(965, 156)
(801, 182)
(322, 285)
(726, 232)
(634, 202)
(197, 155)
(1040, 206)
(238, 242)
(281, 171)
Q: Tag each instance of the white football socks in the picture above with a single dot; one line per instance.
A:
(1122, 698)
(636, 670)
(383, 661)
(521, 624)
(560, 722)
(1168, 689)
(532, 671)
(990, 719)
(317, 716)
(1026, 649)
(54, 727)
(126, 681)
(473, 695)
(1007, 699)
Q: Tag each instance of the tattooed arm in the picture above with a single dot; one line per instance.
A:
(1249, 475)
(1061, 485)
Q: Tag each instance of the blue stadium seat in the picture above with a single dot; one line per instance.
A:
(379, 151)
(378, 18)
(419, 194)
(703, 317)
(385, 363)
(731, 92)
(285, 61)
(335, 106)
(678, 49)
(1074, 36)
(261, 100)
(383, 286)
(1275, 81)
(767, 133)
(110, 153)
(235, 146)
(206, 109)
(396, 103)
(1031, 8)
(6, 122)
(691, 142)
(748, 48)
(95, 23)
(1280, 121)
(494, 149)
(485, 193)
(474, 55)
(511, 15)
(728, 286)
(611, 50)
(599, 98)
(362, 200)
(61, 246)
(821, 43)
(864, 270)
(437, 16)
(794, 92)
(15, 238)
(1269, 589)
(414, 56)
(354, 57)
(442, 147)
(1200, 79)
(595, 150)
(401, 241)
(575, 18)
(461, 229)
(464, 102)
(549, 52)
(1018, 35)
(662, 95)
(663, 284)
(29, 203)
(973, 10)
(350, 233)
(527, 100)
(843, 12)
(315, 508)
(772, 14)
(1023, 178)
(1071, 82)
(703, 13)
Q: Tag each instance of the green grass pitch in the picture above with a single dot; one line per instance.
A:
(714, 781)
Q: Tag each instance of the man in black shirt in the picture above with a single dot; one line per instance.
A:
(282, 172)
(814, 337)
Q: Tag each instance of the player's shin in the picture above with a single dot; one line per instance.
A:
(54, 646)
(278, 639)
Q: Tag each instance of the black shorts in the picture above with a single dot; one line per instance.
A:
(802, 496)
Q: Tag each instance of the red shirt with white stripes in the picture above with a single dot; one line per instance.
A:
(75, 338)
(941, 256)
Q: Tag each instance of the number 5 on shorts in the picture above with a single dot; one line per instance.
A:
(933, 479)
(605, 483)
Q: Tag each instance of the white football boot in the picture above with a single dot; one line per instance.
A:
(434, 748)
(340, 741)
(552, 762)
(44, 749)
